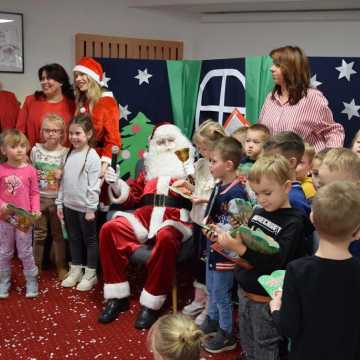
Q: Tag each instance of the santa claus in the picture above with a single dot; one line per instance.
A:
(161, 216)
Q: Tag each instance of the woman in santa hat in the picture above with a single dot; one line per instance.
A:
(56, 96)
(92, 97)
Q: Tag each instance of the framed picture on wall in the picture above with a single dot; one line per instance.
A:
(11, 42)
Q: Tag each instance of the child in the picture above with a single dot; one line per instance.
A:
(270, 178)
(355, 146)
(292, 147)
(340, 165)
(77, 201)
(316, 163)
(48, 158)
(256, 136)
(18, 187)
(325, 286)
(175, 337)
(205, 139)
(303, 171)
(224, 161)
(240, 135)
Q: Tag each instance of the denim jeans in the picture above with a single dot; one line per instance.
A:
(219, 285)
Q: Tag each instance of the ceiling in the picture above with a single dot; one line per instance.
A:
(213, 9)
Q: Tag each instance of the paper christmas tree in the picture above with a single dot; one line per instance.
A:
(134, 141)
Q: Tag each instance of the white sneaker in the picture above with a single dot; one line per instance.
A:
(193, 308)
(88, 280)
(73, 276)
(202, 316)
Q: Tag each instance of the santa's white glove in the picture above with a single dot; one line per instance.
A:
(112, 178)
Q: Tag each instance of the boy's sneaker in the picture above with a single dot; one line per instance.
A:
(222, 341)
(209, 326)
(193, 308)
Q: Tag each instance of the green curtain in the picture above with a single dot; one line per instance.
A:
(184, 79)
(258, 84)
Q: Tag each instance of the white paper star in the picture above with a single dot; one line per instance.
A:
(105, 79)
(346, 70)
(143, 76)
(124, 112)
(351, 109)
(314, 83)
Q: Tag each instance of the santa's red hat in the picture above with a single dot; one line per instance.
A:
(92, 68)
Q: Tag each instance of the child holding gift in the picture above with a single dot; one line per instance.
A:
(18, 187)
(327, 285)
(270, 179)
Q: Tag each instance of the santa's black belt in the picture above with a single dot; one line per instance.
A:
(165, 201)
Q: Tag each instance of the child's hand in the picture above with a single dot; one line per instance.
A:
(4, 210)
(37, 214)
(198, 200)
(181, 183)
(89, 215)
(275, 304)
(58, 174)
(60, 213)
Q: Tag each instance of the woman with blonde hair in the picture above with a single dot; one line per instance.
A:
(293, 105)
(175, 337)
(92, 97)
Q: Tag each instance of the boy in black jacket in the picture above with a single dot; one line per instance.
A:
(270, 180)
(319, 307)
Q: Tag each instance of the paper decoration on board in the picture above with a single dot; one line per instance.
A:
(272, 283)
(235, 121)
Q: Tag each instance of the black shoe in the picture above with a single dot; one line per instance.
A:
(112, 309)
(146, 317)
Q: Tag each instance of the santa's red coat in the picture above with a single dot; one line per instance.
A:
(120, 237)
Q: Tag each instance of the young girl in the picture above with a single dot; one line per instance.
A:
(48, 158)
(175, 337)
(18, 187)
(355, 146)
(205, 139)
(77, 201)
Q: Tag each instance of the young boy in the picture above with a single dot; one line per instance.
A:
(316, 163)
(339, 165)
(224, 160)
(270, 178)
(303, 172)
(292, 147)
(325, 287)
(256, 136)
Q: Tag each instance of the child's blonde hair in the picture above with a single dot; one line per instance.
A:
(55, 119)
(336, 209)
(343, 161)
(210, 131)
(13, 137)
(309, 152)
(261, 128)
(274, 167)
(175, 337)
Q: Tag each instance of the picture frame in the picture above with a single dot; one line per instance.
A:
(11, 42)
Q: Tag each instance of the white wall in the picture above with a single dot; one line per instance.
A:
(50, 26)
(215, 40)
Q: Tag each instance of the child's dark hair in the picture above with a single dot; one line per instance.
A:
(289, 144)
(230, 149)
(85, 122)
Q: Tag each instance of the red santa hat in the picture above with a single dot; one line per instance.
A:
(92, 68)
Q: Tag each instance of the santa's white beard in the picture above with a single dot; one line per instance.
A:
(163, 164)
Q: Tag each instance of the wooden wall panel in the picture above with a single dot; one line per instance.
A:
(126, 48)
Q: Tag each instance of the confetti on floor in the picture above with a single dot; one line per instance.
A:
(62, 324)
